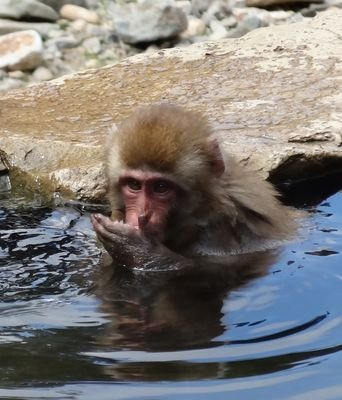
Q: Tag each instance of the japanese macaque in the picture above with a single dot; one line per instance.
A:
(177, 198)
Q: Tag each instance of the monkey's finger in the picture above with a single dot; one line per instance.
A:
(102, 232)
(117, 227)
(101, 219)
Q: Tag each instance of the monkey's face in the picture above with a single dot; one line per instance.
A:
(148, 198)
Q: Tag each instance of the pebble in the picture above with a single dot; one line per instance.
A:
(16, 74)
(196, 27)
(41, 74)
(92, 45)
(78, 26)
(63, 42)
(250, 23)
(184, 5)
(218, 30)
(10, 26)
(10, 83)
(14, 9)
(229, 22)
(92, 64)
(73, 13)
(21, 50)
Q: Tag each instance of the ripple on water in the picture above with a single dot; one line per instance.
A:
(191, 336)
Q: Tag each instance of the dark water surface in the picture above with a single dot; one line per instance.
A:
(168, 335)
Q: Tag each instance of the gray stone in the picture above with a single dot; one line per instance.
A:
(10, 83)
(92, 63)
(196, 27)
(63, 42)
(92, 45)
(26, 9)
(16, 74)
(97, 30)
(218, 30)
(148, 21)
(247, 25)
(51, 54)
(56, 33)
(58, 4)
(218, 10)
(91, 3)
(73, 13)
(57, 66)
(42, 74)
(229, 22)
(5, 183)
(184, 5)
(78, 25)
(3, 169)
(21, 50)
(200, 6)
(269, 3)
(8, 26)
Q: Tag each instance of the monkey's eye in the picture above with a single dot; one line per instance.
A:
(133, 184)
(161, 187)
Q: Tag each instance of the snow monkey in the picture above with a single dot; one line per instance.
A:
(178, 198)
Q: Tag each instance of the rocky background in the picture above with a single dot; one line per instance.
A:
(44, 39)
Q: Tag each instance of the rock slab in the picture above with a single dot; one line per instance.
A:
(273, 97)
(26, 9)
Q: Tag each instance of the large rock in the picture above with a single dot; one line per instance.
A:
(271, 3)
(21, 50)
(58, 4)
(26, 9)
(274, 96)
(74, 13)
(148, 21)
(10, 26)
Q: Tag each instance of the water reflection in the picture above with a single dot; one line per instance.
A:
(73, 326)
(175, 309)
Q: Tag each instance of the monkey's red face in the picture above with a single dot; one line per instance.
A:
(149, 198)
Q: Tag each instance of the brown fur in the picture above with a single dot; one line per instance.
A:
(163, 138)
(163, 134)
(226, 208)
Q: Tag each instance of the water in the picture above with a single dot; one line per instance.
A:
(69, 329)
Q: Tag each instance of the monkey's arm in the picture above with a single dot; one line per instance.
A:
(127, 247)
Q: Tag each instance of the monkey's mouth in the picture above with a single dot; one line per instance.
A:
(153, 233)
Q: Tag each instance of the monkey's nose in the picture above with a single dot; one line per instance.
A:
(143, 220)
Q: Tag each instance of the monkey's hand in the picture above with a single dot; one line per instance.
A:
(128, 247)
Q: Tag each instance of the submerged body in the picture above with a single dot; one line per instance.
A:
(177, 198)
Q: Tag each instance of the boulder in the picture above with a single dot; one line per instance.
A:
(148, 21)
(21, 50)
(27, 9)
(274, 98)
(74, 13)
(9, 26)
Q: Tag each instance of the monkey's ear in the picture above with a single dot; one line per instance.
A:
(215, 156)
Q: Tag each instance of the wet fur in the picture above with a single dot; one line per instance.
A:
(225, 208)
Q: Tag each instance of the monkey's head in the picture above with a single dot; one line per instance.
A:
(159, 163)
